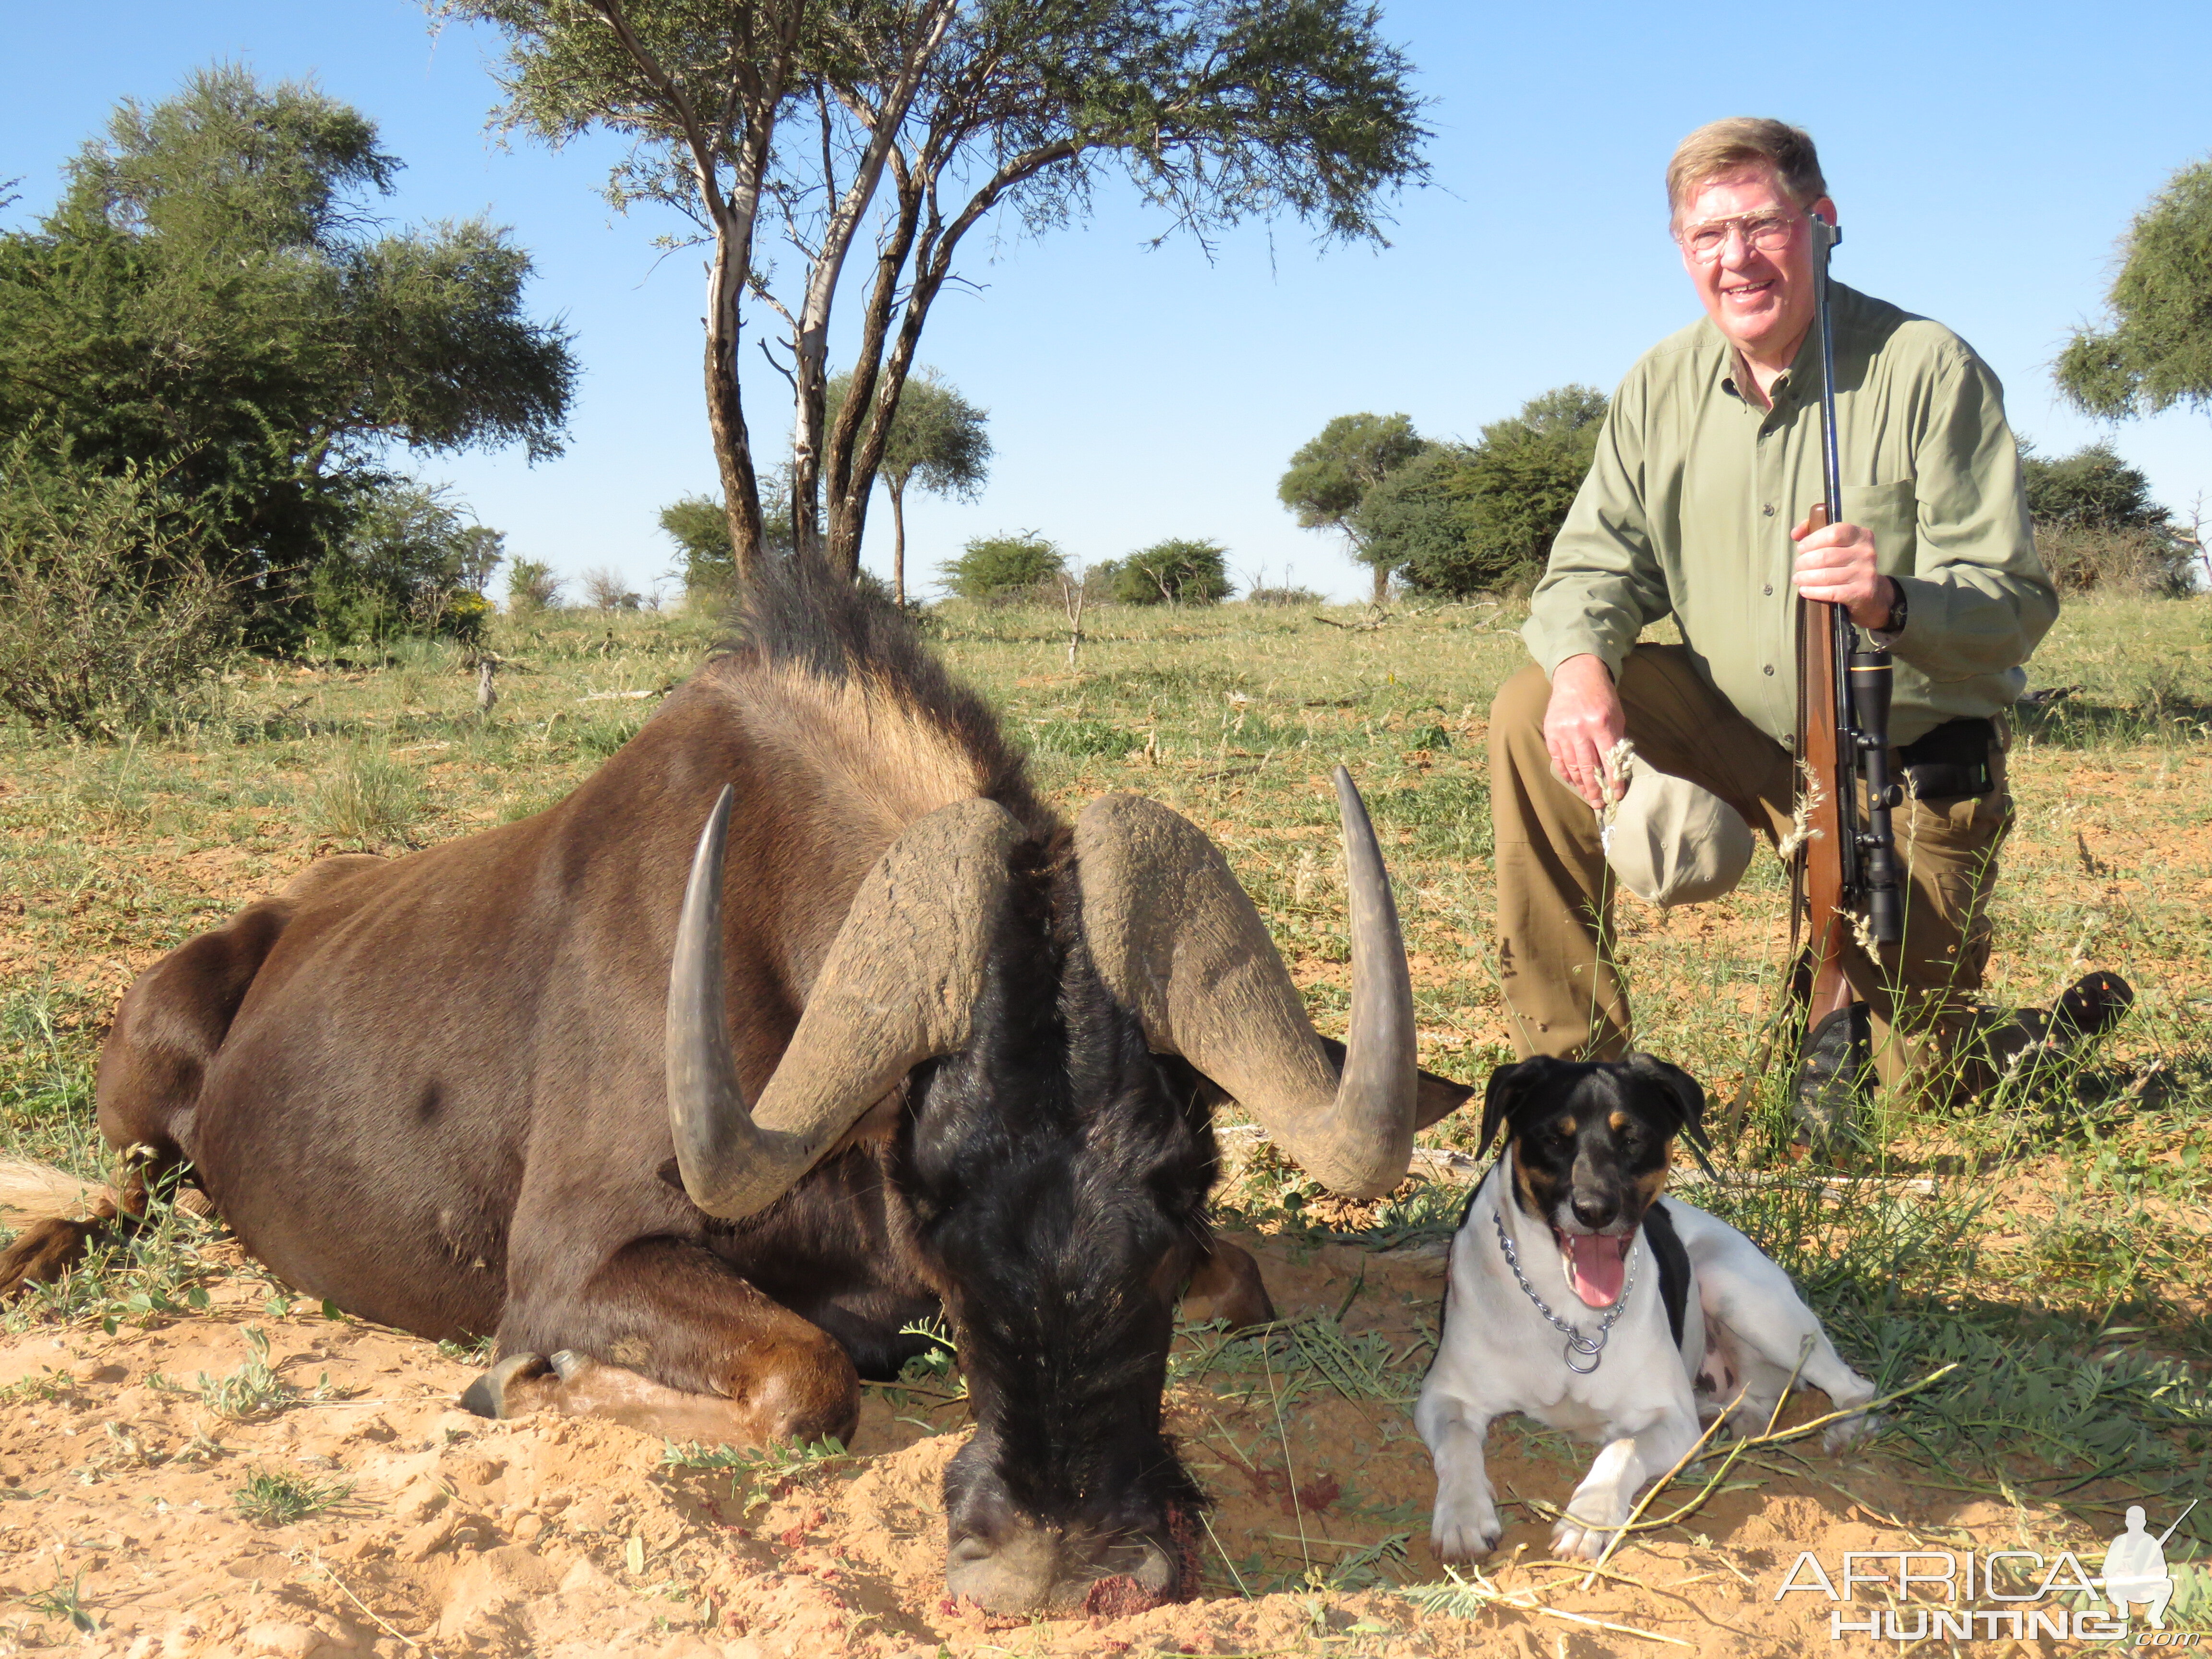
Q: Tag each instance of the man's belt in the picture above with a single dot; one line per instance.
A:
(1950, 762)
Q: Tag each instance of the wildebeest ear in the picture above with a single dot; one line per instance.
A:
(1435, 1098)
(1687, 1096)
(1510, 1091)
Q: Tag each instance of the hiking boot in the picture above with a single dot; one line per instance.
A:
(1832, 1089)
(2085, 1010)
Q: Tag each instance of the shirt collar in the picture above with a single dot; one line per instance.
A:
(1804, 370)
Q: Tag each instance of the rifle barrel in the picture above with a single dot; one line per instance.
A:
(2177, 1520)
(1863, 673)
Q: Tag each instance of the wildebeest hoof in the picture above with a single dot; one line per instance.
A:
(567, 1361)
(495, 1393)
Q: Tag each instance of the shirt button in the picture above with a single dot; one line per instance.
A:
(1768, 510)
(1769, 669)
(1768, 590)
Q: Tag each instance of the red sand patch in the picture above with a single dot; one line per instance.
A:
(571, 1538)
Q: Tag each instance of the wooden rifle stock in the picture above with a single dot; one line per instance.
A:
(1848, 862)
(1827, 786)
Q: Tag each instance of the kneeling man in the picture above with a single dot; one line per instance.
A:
(1697, 504)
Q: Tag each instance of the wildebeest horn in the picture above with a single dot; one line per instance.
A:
(898, 987)
(1176, 937)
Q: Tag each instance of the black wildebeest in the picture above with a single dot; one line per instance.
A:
(695, 1161)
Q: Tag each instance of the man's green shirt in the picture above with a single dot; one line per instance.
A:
(1689, 503)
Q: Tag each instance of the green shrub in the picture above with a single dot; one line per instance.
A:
(2097, 527)
(700, 529)
(531, 586)
(999, 566)
(1465, 519)
(1173, 572)
(1420, 524)
(408, 563)
(109, 616)
(2090, 558)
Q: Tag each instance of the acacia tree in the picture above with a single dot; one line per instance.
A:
(1333, 472)
(1218, 111)
(937, 440)
(213, 302)
(1465, 519)
(2158, 352)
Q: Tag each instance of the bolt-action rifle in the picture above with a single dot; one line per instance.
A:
(1846, 882)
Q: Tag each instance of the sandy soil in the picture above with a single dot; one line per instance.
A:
(571, 1538)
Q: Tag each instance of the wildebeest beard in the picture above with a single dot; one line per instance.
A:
(1057, 1174)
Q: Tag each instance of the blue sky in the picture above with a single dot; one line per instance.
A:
(1984, 160)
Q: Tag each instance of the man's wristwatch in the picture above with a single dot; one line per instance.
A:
(1897, 608)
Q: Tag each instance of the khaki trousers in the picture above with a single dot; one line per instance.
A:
(1563, 991)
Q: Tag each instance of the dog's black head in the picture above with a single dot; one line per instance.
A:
(1589, 1147)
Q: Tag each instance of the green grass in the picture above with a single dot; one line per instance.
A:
(277, 1498)
(63, 1602)
(253, 1390)
(759, 1474)
(370, 799)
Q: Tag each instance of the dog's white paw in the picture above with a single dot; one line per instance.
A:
(1461, 1530)
(1840, 1435)
(1572, 1541)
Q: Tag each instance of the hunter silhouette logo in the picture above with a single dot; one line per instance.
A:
(2135, 1568)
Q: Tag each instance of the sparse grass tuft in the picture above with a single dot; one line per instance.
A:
(760, 1474)
(156, 1270)
(277, 1498)
(369, 799)
(253, 1390)
(63, 1602)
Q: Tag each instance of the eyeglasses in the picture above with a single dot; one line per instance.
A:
(1768, 230)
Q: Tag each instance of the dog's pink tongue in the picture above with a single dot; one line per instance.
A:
(1598, 1268)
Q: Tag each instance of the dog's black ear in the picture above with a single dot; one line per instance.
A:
(1687, 1095)
(1511, 1087)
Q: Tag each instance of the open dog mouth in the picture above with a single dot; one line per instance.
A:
(1595, 1265)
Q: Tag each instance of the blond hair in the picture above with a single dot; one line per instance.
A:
(1720, 147)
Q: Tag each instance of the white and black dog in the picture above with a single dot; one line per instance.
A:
(1578, 1297)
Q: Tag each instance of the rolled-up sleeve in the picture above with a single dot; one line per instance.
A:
(1602, 584)
(1979, 597)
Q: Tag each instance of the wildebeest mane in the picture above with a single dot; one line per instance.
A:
(798, 618)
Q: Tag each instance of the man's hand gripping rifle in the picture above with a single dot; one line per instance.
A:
(1846, 883)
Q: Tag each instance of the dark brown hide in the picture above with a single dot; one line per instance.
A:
(431, 1089)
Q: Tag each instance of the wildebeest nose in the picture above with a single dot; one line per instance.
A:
(1594, 1212)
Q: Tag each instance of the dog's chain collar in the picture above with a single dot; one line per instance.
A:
(1591, 1348)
